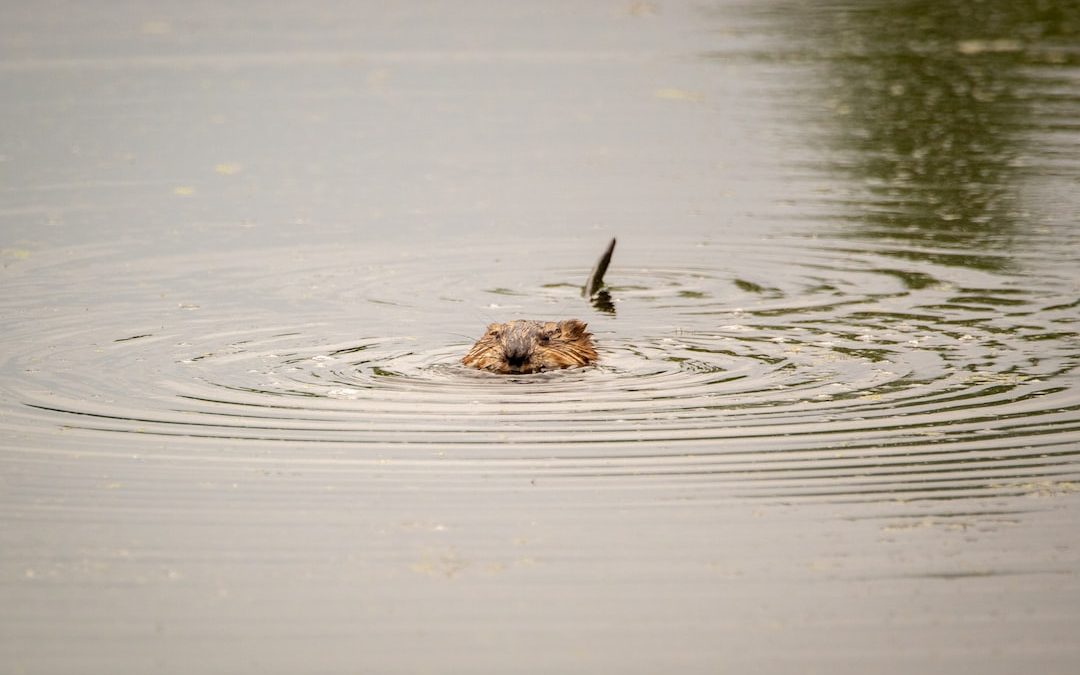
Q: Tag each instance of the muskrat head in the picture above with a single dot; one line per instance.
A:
(531, 346)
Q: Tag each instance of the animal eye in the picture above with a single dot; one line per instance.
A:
(546, 337)
(494, 332)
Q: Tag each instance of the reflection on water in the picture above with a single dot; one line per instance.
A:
(939, 113)
(836, 421)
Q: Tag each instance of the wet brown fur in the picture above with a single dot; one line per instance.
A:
(524, 346)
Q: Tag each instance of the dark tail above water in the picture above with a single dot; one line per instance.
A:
(596, 277)
(594, 290)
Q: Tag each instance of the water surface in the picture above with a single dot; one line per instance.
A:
(836, 421)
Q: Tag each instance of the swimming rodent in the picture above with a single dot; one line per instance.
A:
(524, 346)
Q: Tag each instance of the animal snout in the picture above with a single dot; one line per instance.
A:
(517, 356)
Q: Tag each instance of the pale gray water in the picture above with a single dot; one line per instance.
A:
(836, 423)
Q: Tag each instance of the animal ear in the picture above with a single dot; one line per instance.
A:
(572, 328)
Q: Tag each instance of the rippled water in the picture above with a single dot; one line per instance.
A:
(744, 377)
(834, 426)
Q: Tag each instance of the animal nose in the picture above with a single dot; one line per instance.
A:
(517, 357)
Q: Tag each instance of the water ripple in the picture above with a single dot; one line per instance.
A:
(842, 377)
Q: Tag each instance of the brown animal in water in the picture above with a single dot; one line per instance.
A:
(525, 346)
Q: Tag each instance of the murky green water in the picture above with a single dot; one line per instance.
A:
(835, 426)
